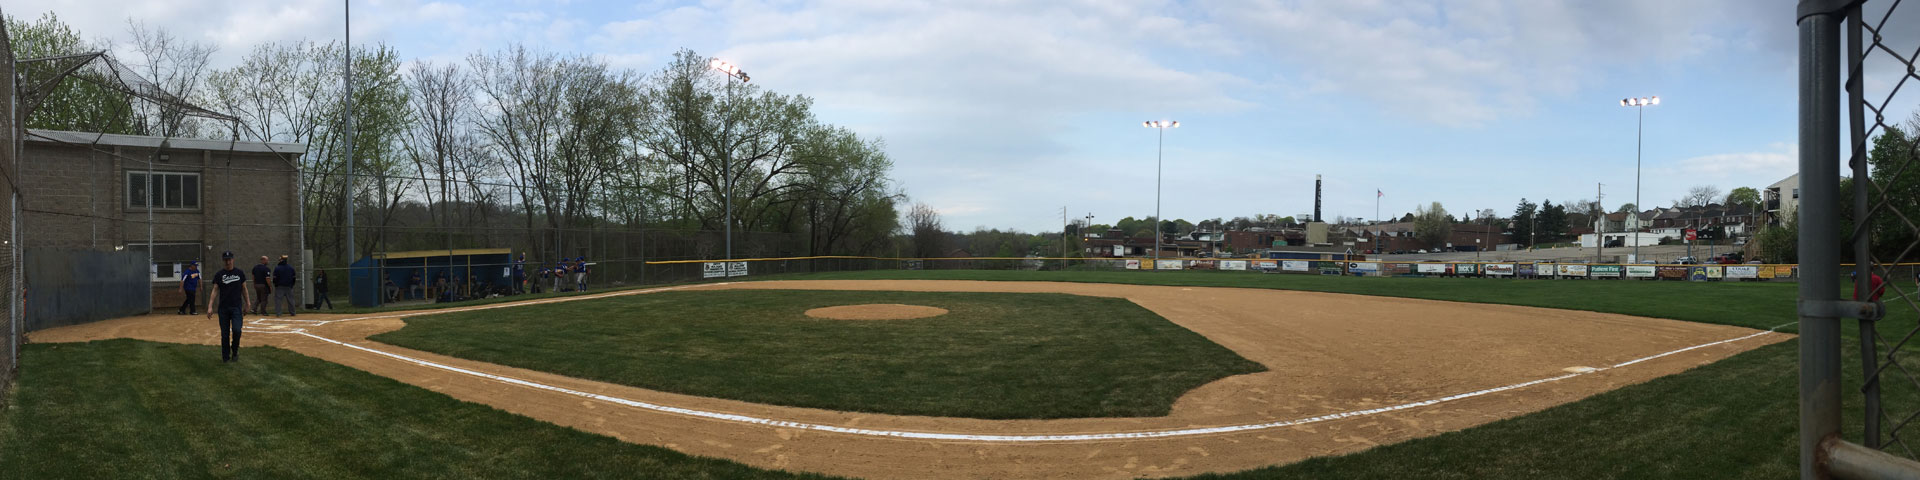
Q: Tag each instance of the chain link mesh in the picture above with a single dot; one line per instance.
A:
(1884, 212)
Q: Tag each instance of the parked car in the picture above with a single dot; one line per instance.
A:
(1686, 261)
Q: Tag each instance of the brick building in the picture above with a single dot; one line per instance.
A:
(90, 190)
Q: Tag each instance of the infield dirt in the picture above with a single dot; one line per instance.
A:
(1326, 354)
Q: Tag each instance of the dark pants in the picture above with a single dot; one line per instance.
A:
(519, 284)
(262, 295)
(320, 297)
(231, 320)
(187, 307)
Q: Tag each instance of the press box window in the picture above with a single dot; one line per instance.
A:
(170, 190)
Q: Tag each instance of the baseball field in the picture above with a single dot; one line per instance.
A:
(946, 374)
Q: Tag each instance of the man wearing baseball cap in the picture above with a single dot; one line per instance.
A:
(229, 300)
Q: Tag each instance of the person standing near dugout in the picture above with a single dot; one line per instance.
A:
(229, 300)
(190, 285)
(283, 280)
(261, 288)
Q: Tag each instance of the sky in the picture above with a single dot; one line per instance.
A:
(1001, 114)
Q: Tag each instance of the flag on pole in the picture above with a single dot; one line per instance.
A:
(1377, 193)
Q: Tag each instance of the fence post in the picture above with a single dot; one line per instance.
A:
(1819, 38)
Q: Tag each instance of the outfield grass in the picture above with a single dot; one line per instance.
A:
(135, 409)
(995, 355)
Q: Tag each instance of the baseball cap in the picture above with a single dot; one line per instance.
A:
(226, 255)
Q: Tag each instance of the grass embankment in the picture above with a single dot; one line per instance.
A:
(995, 355)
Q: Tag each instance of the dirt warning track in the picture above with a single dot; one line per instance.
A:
(1346, 372)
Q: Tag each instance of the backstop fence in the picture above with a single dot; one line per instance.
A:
(1856, 57)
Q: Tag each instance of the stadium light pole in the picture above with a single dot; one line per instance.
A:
(1639, 133)
(726, 174)
(1160, 154)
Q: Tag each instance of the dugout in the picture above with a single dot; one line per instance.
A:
(483, 269)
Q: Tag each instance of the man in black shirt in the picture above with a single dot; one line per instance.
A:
(262, 274)
(229, 300)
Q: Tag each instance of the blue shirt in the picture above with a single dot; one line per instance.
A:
(190, 279)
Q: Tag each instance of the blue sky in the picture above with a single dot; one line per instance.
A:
(1000, 113)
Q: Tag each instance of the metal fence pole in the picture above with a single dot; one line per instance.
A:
(1862, 258)
(1819, 38)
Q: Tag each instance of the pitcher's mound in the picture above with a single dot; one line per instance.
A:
(876, 311)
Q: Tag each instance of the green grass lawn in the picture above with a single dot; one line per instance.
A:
(108, 408)
(995, 355)
(134, 409)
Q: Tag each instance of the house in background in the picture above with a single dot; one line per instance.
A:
(93, 190)
(1781, 199)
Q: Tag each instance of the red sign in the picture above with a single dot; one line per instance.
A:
(1692, 235)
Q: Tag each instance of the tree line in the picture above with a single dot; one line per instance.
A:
(518, 146)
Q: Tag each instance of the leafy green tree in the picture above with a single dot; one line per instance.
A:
(1432, 225)
(1893, 151)
(1524, 216)
(1743, 196)
(74, 104)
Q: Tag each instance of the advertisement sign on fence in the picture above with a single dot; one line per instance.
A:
(737, 269)
(1640, 271)
(1204, 264)
(1466, 268)
(1671, 271)
(1548, 269)
(1573, 270)
(1233, 264)
(1432, 268)
(1766, 273)
(1266, 265)
(1500, 269)
(1524, 270)
(1133, 264)
(713, 270)
(1399, 269)
(1604, 271)
(1171, 265)
(1365, 268)
(1739, 271)
(1697, 274)
(1331, 268)
(1785, 271)
(1294, 265)
(1716, 272)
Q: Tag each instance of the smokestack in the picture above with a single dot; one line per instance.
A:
(1316, 199)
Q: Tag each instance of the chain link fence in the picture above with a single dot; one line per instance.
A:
(1857, 227)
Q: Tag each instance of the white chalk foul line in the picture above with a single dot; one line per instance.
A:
(999, 438)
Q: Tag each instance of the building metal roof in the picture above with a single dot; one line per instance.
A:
(171, 143)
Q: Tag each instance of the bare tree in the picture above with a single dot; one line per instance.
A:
(1699, 196)
(929, 238)
(177, 66)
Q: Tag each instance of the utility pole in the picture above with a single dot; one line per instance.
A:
(1063, 232)
(1600, 224)
(347, 79)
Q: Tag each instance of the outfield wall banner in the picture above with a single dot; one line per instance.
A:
(1548, 269)
(1399, 268)
(1205, 264)
(1573, 270)
(1500, 269)
(1365, 268)
(1331, 268)
(1640, 271)
(1697, 274)
(1466, 268)
(1738, 271)
(1671, 271)
(1295, 265)
(1171, 265)
(1233, 265)
(1133, 264)
(1716, 272)
(713, 270)
(1432, 268)
(1524, 270)
(1604, 271)
(1266, 265)
(1785, 271)
(737, 269)
(1764, 272)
